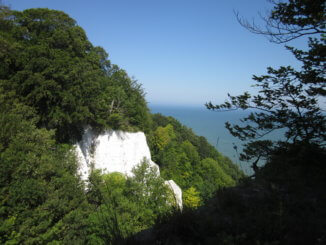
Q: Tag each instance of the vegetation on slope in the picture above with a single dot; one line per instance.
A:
(49, 64)
(41, 199)
(195, 165)
(284, 202)
(53, 83)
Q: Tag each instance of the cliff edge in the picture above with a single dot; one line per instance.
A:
(116, 151)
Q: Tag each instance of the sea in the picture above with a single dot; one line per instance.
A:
(211, 125)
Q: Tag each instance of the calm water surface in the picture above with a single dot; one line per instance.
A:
(211, 125)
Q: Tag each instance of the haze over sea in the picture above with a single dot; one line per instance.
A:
(211, 125)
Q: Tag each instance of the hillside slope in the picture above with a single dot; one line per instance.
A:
(54, 83)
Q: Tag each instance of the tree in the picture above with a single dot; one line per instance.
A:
(295, 19)
(189, 159)
(49, 64)
(126, 205)
(213, 176)
(148, 189)
(163, 136)
(41, 197)
(289, 20)
(191, 198)
(288, 99)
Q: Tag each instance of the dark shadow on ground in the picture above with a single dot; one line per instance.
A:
(284, 204)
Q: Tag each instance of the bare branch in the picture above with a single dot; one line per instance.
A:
(280, 30)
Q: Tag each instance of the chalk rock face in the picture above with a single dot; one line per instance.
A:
(176, 190)
(112, 151)
(116, 151)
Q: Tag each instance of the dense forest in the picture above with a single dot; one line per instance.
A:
(53, 84)
(190, 161)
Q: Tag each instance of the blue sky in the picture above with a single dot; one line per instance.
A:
(184, 52)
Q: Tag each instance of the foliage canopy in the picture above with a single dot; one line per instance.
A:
(49, 65)
(53, 83)
(288, 99)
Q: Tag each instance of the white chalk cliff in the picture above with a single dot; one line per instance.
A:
(116, 151)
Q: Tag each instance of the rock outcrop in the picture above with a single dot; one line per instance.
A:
(176, 190)
(116, 151)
